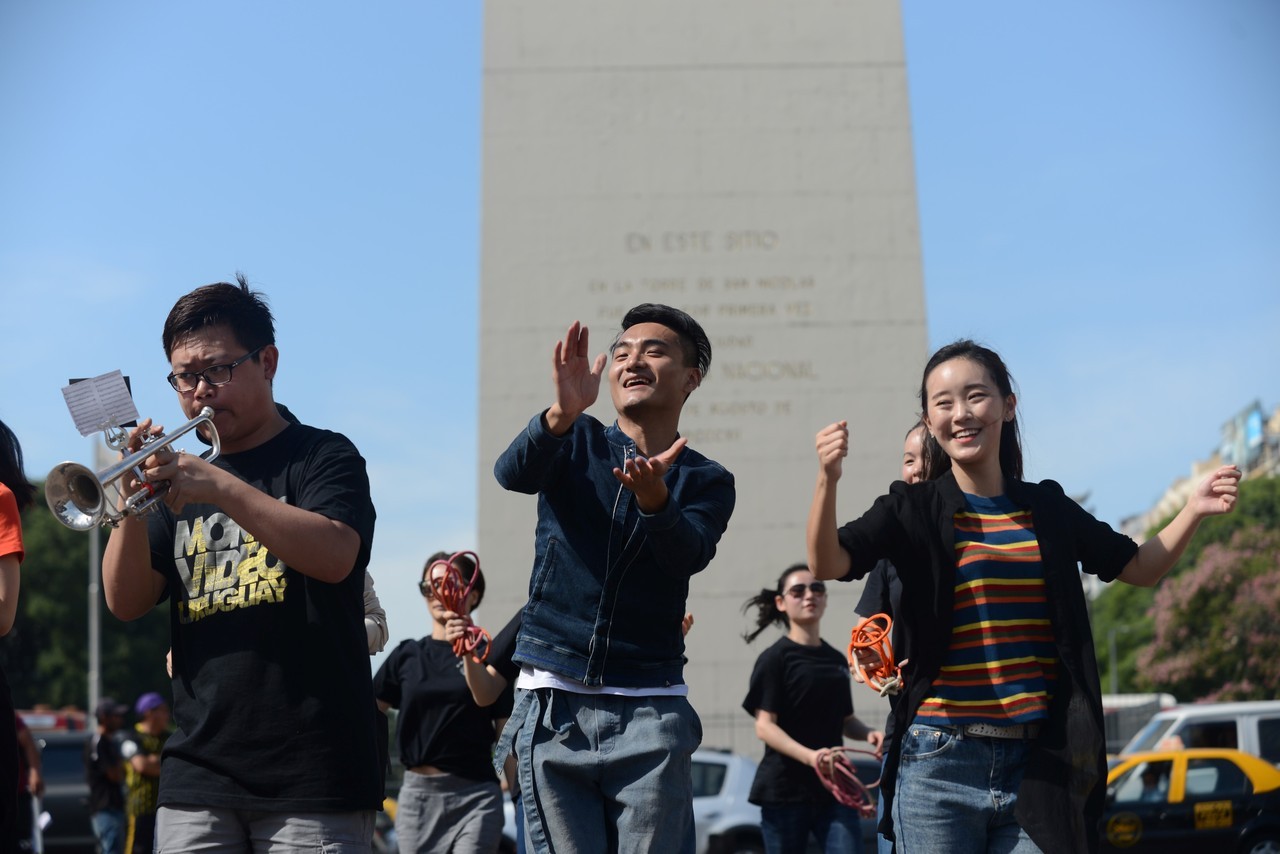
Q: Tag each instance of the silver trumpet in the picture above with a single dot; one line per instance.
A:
(78, 496)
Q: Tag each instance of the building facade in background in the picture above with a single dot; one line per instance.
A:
(1250, 440)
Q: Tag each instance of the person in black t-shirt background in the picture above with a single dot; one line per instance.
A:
(493, 681)
(450, 800)
(801, 698)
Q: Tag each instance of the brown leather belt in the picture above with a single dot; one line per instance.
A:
(1027, 731)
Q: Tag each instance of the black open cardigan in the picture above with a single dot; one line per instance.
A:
(1063, 789)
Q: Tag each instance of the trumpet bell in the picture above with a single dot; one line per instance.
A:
(74, 495)
(78, 496)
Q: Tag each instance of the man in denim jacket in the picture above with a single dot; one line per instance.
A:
(603, 729)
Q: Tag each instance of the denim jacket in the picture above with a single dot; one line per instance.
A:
(609, 583)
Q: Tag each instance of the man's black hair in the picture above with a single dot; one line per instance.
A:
(694, 343)
(240, 308)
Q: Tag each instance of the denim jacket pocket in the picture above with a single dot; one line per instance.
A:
(542, 576)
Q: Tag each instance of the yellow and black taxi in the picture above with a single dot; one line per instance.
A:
(1207, 799)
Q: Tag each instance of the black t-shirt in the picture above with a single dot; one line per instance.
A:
(439, 724)
(273, 699)
(881, 594)
(503, 648)
(101, 753)
(808, 688)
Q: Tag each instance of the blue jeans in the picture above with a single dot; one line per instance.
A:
(521, 835)
(883, 846)
(956, 793)
(604, 773)
(108, 827)
(786, 828)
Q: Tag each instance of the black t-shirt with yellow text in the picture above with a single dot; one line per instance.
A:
(273, 699)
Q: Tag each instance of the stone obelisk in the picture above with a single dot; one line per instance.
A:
(751, 163)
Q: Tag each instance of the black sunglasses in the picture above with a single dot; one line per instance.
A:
(817, 588)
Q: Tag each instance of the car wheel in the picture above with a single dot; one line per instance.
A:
(746, 843)
(1267, 842)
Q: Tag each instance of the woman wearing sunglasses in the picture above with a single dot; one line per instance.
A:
(801, 699)
(450, 800)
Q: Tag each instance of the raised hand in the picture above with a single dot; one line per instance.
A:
(832, 444)
(1217, 493)
(643, 476)
(576, 377)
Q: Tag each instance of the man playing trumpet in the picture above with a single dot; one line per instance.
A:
(262, 556)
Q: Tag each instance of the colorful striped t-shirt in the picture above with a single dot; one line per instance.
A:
(1001, 665)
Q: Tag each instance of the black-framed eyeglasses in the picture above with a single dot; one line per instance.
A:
(817, 588)
(212, 375)
(427, 589)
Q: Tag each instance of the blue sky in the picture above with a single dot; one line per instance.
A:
(1099, 196)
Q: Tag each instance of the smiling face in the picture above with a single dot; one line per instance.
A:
(913, 456)
(965, 412)
(244, 411)
(647, 371)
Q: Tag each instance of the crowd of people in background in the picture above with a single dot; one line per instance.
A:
(278, 740)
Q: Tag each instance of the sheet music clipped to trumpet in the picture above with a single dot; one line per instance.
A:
(100, 403)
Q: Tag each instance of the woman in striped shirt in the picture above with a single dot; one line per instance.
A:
(997, 743)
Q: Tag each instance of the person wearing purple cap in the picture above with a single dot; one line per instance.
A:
(104, 768)
(141, 750)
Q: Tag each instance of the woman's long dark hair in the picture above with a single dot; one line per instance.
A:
(936, 462)
(11, 473)
(767, 613)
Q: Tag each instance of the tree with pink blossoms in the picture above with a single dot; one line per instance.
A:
(1122, 614)
(1216, 632)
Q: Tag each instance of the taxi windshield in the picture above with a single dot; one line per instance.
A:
(1149, 736)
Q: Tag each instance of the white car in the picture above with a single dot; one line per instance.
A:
(723, 820)
(1252, 727)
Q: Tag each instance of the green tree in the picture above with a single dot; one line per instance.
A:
(46, 656)
(1112, 616)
